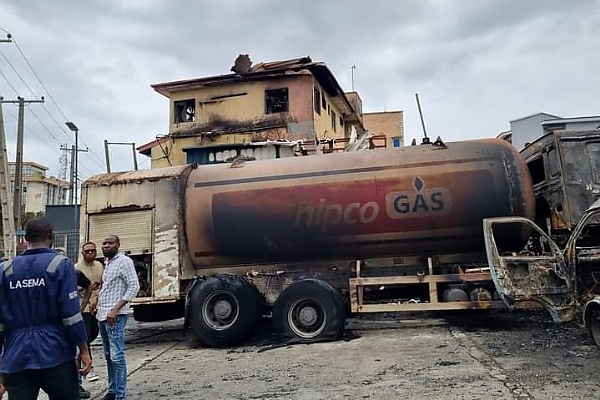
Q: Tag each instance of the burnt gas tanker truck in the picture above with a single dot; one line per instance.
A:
(311, 239)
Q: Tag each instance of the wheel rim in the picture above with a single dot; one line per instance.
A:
(220, 310)
(307, 318)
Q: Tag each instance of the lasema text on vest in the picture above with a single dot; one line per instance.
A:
(27, 283)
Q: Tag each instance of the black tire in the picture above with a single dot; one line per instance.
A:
(224, 310)
(593, 324)
(309, 311)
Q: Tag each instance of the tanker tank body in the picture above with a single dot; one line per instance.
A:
(414, 200)
(306, 237)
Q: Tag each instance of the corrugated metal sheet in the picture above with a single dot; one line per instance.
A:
(133, 228)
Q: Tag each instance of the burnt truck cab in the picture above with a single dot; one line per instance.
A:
(565, 171)
(566, 281)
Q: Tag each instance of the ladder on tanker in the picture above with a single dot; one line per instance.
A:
(8, 231)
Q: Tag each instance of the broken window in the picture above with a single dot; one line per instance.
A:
(317, 101)
(276, 101)
(333, 121)
(184, 111)
(593, 150)
(536, 169)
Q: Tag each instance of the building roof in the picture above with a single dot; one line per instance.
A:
(591, 118)
(266, 71)
(257, 72)
(32, 163)
(146, 148)
(550, 116)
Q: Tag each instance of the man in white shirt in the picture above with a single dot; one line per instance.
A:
(120, 285)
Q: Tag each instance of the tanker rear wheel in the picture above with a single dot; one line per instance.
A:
(224, 310)
(309, 310)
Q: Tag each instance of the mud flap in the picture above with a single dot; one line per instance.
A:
(188, 296)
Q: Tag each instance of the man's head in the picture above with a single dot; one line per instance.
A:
(88, 251)
(110, 246)
(39, 232)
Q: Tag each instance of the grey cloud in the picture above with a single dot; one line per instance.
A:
(476, 64)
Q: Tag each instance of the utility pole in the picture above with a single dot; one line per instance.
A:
(72, 170)
(74, 161)
(6, 207)
(63, 160)
(19, 157)
(107, 154)
(8, 229)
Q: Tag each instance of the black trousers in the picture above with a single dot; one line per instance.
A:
(91, 326)
(60, 383)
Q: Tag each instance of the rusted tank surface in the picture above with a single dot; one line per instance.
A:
(420, 200)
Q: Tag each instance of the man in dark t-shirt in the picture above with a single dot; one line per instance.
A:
(84, 283)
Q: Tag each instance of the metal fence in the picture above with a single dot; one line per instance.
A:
(68, 241)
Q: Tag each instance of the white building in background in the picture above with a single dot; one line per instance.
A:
(38, 189)
(527, 129)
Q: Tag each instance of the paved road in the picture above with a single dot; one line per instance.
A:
(490, 356)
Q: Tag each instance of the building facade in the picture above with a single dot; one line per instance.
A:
(387, 123)
(255, 111)
(526, 130)
(38, 190)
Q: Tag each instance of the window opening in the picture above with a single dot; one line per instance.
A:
(276, 100)
(185, 111)
(333, 118)
(317, 101)
(536, 169)
(593, 151)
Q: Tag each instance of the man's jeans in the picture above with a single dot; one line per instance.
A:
(113, 343)
(60, 383)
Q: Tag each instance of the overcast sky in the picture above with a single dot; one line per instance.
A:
(476, 64)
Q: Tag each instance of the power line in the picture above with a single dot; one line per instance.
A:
(28, 129)
(39, 80)
(9, 84)
(96, 159)
(47, 92)
(31, 90)
(17, 73)
(39, 137)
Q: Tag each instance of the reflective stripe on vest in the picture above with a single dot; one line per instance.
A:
(72, 320)
(1, 328)
(8, 268)
(54, 263)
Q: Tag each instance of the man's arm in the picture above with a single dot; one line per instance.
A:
(70, 313)
(84, 283)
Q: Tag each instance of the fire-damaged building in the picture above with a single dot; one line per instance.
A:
(266, 110)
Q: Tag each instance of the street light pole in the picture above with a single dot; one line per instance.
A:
(75, 129)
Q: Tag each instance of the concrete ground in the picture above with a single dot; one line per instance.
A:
(478, 355)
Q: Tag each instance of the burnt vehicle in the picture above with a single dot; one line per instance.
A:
(565, 171)
(565, 281)
(310, 239)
